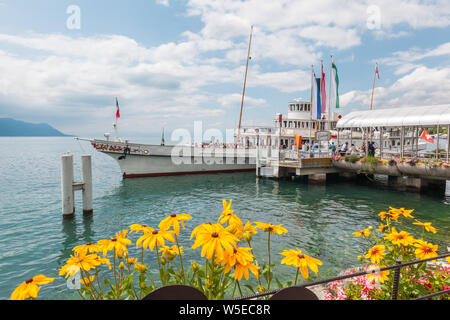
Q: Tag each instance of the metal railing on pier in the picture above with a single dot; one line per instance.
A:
(395, 287)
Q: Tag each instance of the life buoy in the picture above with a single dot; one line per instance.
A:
(146, 152)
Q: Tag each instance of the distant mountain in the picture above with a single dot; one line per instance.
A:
(15, 128)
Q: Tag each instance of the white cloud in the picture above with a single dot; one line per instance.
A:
(422, 86)
(163, 2)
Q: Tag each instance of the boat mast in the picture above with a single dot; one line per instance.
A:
(245, 81)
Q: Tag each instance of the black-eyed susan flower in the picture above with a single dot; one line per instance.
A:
(86, 248)
(248, 231)
(425, 250)
(301, 261)
(214, 239)
(170, 252)
(227, 215)
(119, 244)
(376, 253)
(363, 233)
(380, 276)
(383, 227)
(84, 262)
(240, 255)
(131, 260)
(29, 289)
(243, 271)
(156, 237)
(388, 216)
(140, 228)
(200, 228)
(402, 212)
(400, 238)
(236, 227)
(140, 267)
(174, 220)
(269, 227)
(426, 225)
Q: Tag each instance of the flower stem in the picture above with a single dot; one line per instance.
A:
(181, 259)
(296, 276)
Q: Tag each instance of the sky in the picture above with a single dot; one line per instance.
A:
(173, 62)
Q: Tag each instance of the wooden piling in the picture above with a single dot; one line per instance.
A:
(68, 207)
(86, 176)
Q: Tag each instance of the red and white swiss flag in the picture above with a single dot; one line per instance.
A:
(426, 136)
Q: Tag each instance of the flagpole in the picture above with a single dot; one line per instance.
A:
(116, 135)
(245, 81)
(329, 92)
(311, 106)
(373, 86)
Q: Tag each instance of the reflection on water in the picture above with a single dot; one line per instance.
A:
(320, 219)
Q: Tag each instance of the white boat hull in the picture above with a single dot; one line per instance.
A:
(143, 160)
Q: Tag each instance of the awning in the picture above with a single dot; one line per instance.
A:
(399, 117)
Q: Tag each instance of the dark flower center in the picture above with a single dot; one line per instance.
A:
(173, 215)
(214, 235)
(155, 232)
(114, 239)
(301, 255)
(29, 280)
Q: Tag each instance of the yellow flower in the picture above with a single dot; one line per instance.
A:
(174, 221)
(427, 226)
(242, 270)
(140, 228)
(363, 233)
(131, 260)
(119, 244)
(170, 252)
(228, 216)
(388, 216)
(86, 281)
(239, 255)
(400, 238)
(86, 248)
(84, 262)
(269, 227)
(381, 276)
(155, 237)
(236, 227)
(382, 227)
(376, 253)
(402, 212)
(425, 250)
(140, 267)
(200, 228)
(213, 238)
(300, 260)
(249, 231)
(29, 288)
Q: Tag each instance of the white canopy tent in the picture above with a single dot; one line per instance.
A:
(404, 117)
(423, 116)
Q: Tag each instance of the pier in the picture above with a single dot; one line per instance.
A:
(399, 150)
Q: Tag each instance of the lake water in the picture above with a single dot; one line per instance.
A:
(34, 238)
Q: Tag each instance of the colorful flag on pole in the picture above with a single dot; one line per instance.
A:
(117, 109)
(334, 93)
(323, 94)
(426, 136)
(316, 103)
(376, 72)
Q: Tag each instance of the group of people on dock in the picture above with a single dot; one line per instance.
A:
(344, 149)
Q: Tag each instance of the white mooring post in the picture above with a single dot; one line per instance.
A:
(68, 186)
(86, 176)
